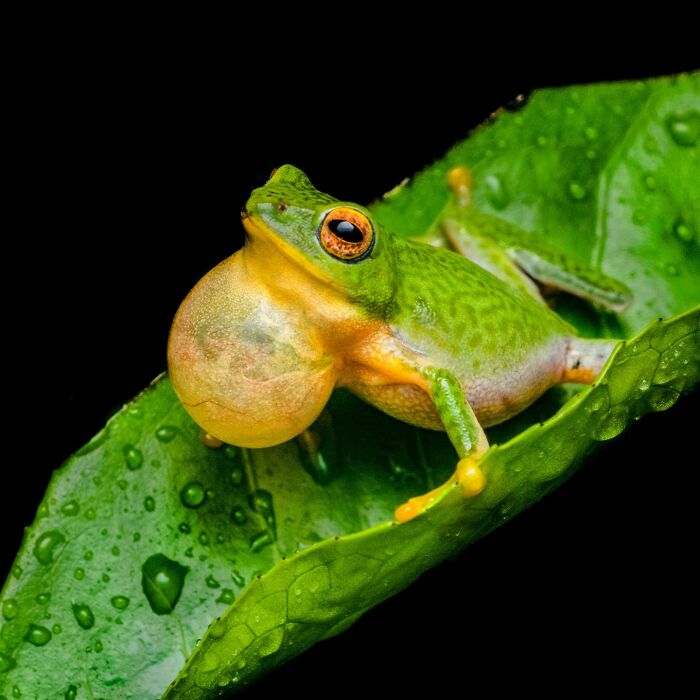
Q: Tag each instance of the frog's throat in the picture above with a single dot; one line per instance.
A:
(259, 232)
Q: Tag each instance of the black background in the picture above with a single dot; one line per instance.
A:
(131, 174)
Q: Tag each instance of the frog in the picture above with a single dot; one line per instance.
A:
(448, 333)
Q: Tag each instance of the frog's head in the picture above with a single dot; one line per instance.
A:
(338, 243)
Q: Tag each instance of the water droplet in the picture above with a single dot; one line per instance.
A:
(192, 495)
(79, 574)
(90, 514)
(644, 385)
(684, 129)
(83, 615)
(38, 635)
(220, 539)
(71, 693)
(10, 609)
(209, 440)
(260, 540)
(120, 602)
(662, 398)
(184, 528)
(98, 646)
(105, 578)
(189, 552)
(137, 536)
(576, 190)
(226, 596)
(237, 476)
(149, 504)
(672, 270)
(57, 629)
(70, 508)
(260, 501)
(17, 571)
(591, 154)
(166, 433)
(591, 133)
(43, 598)
(115, 551)
(542, 140)
(123, 484)
(650, 182)
(639, 217)
(133, 457)
(238, 578)
(212, 582)
(612, 424)
(238, 515)
(683, 231)
(45, 545)
(203, 538)
(496, 192)
(16, 692)
(7, 663)
(162, 582)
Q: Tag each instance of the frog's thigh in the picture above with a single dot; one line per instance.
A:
(465, 433)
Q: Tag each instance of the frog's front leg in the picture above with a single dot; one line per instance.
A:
(464, 431)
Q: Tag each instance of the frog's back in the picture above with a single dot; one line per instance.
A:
(505, 348)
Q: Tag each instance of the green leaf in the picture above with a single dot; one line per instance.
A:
(146, 536)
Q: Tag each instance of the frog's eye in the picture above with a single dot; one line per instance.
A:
(346, 234)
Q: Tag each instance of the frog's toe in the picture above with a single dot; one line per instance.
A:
(470, 475)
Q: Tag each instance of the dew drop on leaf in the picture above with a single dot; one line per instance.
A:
(38, 635)
(72, 507)
(71, 693)
(162, 582)
(149, 504)
(43, 598)
(496, 192)
(576, 190)
(591, 133)
(684, 129)
(237, 578)
(542, 141)
(260, 540)
(166, 433)
(57, 629)
(613, 424)
(212, 582)
(192, 494)
(672, 270)
(260, 501)
(650, 182)
(120, 602)
(83, 615)
(79, 574)
(7, 663)
(10, 609)
(683, 231)
(226, 596)
(45, 545)
(203, 538)
(133, 457)
(184, 528)
(237, 476)
(238, 515)
(662, 398)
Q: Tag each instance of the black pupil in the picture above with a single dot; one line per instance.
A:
(346, 231)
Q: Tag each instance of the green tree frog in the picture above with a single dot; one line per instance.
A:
(322, 296)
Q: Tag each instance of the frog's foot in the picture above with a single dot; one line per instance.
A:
(468, 475)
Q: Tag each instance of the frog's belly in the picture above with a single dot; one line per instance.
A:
(492, 398)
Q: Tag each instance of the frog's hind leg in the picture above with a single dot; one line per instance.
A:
(519, 257)
(585, 359)
(465, 433)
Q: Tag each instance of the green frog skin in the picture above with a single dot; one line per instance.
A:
(321, 296)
